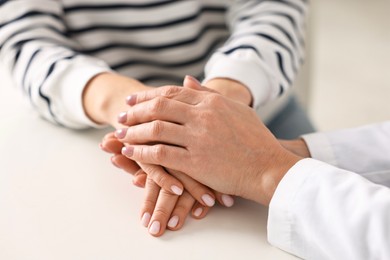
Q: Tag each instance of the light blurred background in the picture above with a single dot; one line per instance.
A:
(349, 64)
(350, 58)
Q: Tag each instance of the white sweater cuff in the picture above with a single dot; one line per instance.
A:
(242, 67)
(74, 81)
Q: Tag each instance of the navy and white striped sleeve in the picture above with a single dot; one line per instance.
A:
(266, 47)
(44, 62)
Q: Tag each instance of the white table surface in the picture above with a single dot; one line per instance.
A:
(60, 198)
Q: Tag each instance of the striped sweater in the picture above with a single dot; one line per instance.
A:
(53, 48)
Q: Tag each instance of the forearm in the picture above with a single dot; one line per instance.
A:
(297, 146)
(231, 89)
(105, 95)
(266, 182)
(44, 62)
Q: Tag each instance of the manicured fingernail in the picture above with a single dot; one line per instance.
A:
(121, 133)
(172, 223)
(145, 219)
(227, 200)
(128, 151)
(176, 190)
(208, 200)
(198, 212)
(154, 228)
(131, 100)
(122, 117)
(193, 79)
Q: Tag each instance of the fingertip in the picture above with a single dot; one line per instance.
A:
(191, 82)
(121, 133)
(108, 136)
(140, 179)
(104, 148)
(227, 200)
(145, 219)
(138, 183)
(155, 229)
(131, 100)
(114, 162)
(208, 200)
(199, 211)
(177, 190)
(173, 223)
(122, 118)
(128, 151)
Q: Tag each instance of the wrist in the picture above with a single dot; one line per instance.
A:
(231, 89)
(264, 185)
(296, 146)
(104, 96)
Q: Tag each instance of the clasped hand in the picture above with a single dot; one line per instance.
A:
(198, 136)
(169, 195)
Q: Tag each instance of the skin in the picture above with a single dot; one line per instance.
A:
(103, 100)
(236, 146)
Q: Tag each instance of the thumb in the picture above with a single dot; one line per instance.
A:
(191, 82)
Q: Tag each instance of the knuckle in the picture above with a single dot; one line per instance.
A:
(170, 91)
(152, 171)
(161, 179)
(148, 205)
(149, 180)
(161, 212)
(159, 152)
(141, 153)
(182, 209)
(215, 99)
(158, 105)
(157, 128)
(196, 189)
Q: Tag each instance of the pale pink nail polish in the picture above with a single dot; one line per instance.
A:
(121, 133)
(176, 190)
(172, 223)
(198, 212)
(208, 200)
(122, 118)
(131, 100)
(227, 200)
(128, 151)
(145, 219)
(154, 229)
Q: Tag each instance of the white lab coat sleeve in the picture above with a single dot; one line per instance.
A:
(364, 150)
(319, 211)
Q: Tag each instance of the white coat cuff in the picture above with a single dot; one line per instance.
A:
(247, 71)
(280, 226)
(320, 148)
